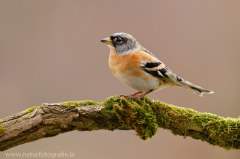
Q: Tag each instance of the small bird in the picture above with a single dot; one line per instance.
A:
(139, 69)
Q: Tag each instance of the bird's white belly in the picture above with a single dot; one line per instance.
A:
(139, 84)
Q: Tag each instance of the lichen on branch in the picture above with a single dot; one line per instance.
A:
(145, 116)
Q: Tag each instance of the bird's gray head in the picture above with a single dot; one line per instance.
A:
(123, 43)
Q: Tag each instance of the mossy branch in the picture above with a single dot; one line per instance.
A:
(145, 116)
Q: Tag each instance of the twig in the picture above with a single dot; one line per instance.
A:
(145, 116)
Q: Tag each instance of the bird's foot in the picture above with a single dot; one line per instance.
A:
(131, 96)
(138, 95)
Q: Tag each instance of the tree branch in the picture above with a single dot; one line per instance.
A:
(144, 116)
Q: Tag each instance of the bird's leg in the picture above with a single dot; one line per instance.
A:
(142, 95)
(131, 95)
(134, 94)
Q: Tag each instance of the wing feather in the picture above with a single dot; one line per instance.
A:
(160, 70)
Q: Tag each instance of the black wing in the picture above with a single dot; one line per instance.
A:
(158, 69)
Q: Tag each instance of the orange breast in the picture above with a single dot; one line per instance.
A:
(130, 62)
(121, 64)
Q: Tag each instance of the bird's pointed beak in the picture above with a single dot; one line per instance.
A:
(107, 41)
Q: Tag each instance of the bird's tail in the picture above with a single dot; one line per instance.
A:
(194, 88)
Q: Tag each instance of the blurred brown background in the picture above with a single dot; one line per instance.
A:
(50, 51)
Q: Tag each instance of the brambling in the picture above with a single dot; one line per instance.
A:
(139, 69)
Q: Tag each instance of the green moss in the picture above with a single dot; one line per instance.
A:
(111, 101)
(74, 104)
(53, 132)
(138, 115)
(30, 110)
(71, 104)
(89, 125)
(1, 129)
(216, 130)
(90, 102)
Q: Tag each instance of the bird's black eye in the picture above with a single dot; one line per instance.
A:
(119, 39)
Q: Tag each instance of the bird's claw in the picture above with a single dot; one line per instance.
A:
(132, 96)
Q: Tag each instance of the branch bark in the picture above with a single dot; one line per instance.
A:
(145, 116)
